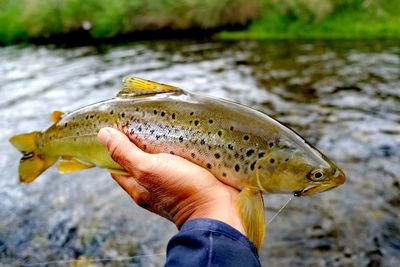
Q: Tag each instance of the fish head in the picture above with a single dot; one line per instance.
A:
(298, 171)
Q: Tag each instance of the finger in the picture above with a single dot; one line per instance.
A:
(139, 194)
(122, 150)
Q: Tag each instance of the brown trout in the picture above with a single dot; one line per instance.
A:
(242, 147)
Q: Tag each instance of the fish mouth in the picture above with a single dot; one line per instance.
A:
(311, 190)
(337, 179)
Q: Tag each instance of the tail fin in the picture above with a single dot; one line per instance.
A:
(32, 163)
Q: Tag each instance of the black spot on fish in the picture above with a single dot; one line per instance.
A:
(246, 137)
(172, 152)
(137, 109)
(132, 131)
(91, 116)
(210, 121)
(191, 113)
(237, 168)
(162, 114)
(250, 152)
(217, 155)
(111, 112)
(219, 133)
(132, 117)
(152, 131)
(271, 144)
(158, 137)
(286, 159)
(231, 128)
(196, 122)
(230, 146)
(123, 114)
(140, 128)
(144, 147)
(241, 157)
(180, 139)
(252, 165)
(209, 147)
(209, 165)
(193, 155)
(236, 155)
(173, 116)
(224, 174)
(261, 154)
(87, 117)
(66, 124)
(272, 161)
(259, 167)
(202, 142)
(155, 112)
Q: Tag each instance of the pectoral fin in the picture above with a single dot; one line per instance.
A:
(251, 209)
(66, 165)
(117, 171)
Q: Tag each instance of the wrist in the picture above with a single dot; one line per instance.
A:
(221, 206)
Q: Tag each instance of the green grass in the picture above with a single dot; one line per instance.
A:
(24, 20)
(350, 19)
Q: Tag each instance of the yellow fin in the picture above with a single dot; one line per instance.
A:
(25, 143)
(67, 164)
(116, 171)
(251, 209)
(33, 163)
(56, 116)
(136, 87)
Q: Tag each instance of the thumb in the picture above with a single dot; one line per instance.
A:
(122, 150)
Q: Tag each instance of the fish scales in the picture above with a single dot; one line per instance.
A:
(242, 147)
(196, 131)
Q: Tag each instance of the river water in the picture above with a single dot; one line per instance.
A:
(342, 96)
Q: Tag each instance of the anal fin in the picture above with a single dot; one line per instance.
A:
(67, 164)
(251, 209)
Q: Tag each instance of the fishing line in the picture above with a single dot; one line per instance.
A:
(279, 211)
(92, 260)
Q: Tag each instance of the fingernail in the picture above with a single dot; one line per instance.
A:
(104, 135)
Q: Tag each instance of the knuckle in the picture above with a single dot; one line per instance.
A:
(141, 201)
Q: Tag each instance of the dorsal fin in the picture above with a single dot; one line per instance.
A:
(56, 116)
(135, 87)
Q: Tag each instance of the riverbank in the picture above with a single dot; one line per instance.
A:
(335, 19)
(99, 21)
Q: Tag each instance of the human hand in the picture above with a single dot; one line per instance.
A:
(169, 185)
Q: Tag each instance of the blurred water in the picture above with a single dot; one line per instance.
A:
(342, 96)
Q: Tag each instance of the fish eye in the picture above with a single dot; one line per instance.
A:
(316, 175)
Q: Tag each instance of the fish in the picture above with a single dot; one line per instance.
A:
(240, 146)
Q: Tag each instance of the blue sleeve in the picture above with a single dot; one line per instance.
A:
(207, 242)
